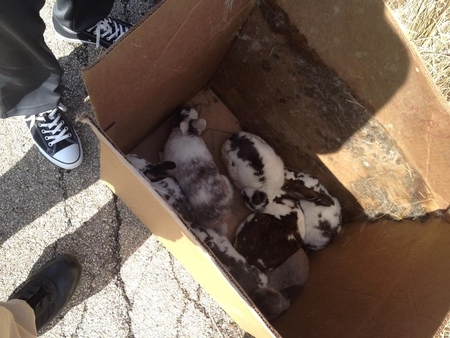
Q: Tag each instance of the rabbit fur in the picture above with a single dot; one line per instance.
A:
(266, 297)
(322, 211)
(209, 193)
(166, 186)
(254, 168)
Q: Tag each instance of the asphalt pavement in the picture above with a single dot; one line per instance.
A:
(131, 285)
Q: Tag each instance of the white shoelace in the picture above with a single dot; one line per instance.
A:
(56, 132)
(107, 29)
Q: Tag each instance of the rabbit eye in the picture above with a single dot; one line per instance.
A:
(232, 164)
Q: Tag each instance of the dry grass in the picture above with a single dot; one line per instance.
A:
(427, 24)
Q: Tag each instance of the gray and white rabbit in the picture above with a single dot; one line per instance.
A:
(322, 211)
(209, 193)
(248, 277)
(254, 168)
(293, 272)
(267, 298)
(287, 279)
(166, 186)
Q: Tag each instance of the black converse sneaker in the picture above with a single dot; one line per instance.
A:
(55, 138)
(104, 33)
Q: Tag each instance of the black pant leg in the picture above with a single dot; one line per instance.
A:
(78, 15)
(29, 72)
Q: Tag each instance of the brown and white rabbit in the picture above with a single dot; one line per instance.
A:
(266, 240)
(267, 298)
(209, 193)
(254, 168)
(166, 186)
(322, 211)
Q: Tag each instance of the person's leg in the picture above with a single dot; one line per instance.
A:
(30, 79)
(78, 15)
(87, 21)
(29, 72)
(17, 319)
(47, 291)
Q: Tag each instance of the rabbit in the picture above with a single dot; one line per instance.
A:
(166, 186)
(292, 273)
(209, 193)
(267, 240)
(285, 283)
(248, 277)
(254, 168)
(322, 211)
(269, 301)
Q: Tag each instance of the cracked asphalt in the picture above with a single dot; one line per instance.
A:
(131, 285)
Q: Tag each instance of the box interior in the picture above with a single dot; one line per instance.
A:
(344, 124)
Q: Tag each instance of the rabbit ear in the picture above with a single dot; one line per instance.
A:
(184, 127)
(199, 124)
(158, 171)
(301, 192)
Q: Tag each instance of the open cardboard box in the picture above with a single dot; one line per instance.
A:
(340, 93)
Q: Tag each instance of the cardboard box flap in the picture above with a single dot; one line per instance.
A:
(363, 43)
(279, 87)
(162, 63)
(388, 279)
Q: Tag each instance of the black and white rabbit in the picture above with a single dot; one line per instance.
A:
(268, 299)
(266, 240)
(254, 168)
(209, 193)
(322, 211)
(166, 186)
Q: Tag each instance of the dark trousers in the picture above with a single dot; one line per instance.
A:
(30, 75)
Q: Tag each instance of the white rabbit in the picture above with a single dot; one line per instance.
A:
(209, 193)
(166, 186)
(322, 211)
(254, 168)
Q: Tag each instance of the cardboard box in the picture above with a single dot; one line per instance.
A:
(340, 93)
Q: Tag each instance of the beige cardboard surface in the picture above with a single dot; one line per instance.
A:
(388, 279)
(375, 280)
(163, 63)
(361, 41)
(151, 209)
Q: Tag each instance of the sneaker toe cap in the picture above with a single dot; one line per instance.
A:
(70, 156)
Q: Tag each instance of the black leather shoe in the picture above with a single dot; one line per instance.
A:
(49, 289)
